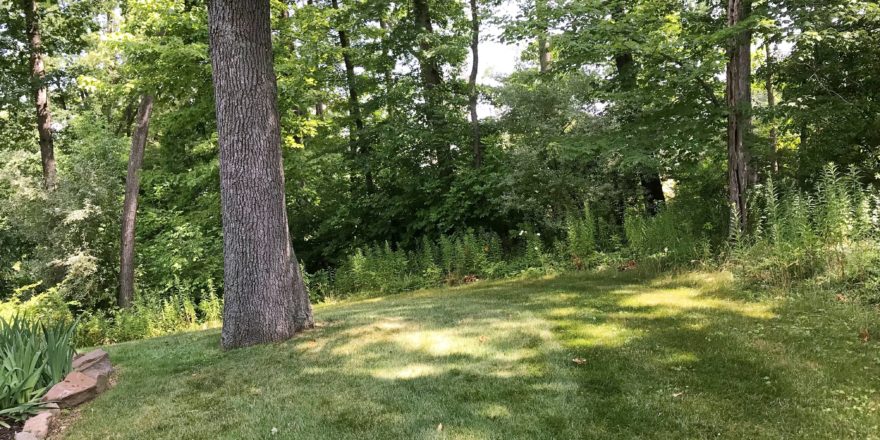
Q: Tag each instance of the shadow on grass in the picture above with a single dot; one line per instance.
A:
(656, 357)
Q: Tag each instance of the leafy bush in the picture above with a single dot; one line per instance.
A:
(667, 238)
(149, 318)
(581, 239)
(828, 236)
(35, 357)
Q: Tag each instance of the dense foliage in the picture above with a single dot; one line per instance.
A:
(383, 191)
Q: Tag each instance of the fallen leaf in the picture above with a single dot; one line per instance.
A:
(864, 335)
(678, 394)
(440, 427)
(841, 297)
(483, 339)
(579, 361)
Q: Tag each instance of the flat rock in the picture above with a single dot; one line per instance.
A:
(25, 436)
(40, 424)
(101, 373)
(91, 358)
(76, 388)
(52, 408)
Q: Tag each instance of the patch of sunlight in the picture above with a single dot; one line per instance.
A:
(623, 292)
(681, 358)
(564, 312)
(697, 326)
(565, 297)
(600, 335)
(494, 411)
(653, 314)
(438, 342)
(514, 356)
(557, 387)
(411, 371)
(684, 299)
(704, 280)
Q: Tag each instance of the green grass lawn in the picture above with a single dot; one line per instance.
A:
(675, 357)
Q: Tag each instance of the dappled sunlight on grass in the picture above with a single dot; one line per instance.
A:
(591, 355)
(408, 371)
(672, 301)
(596, 335)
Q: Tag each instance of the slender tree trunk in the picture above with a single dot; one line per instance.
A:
(387, 69)
(432, 79)
(771, 107)
(430, 71)
(359, 149)
(386, 73)
(41, 93)
(652, 185)
(739, 103)
(543, 53)
(473, 95)
(129, 205)
(263, 292)
(543, 42)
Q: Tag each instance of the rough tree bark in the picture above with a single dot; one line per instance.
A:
(739, 103)
(264, 296)
(41, 93)
(476, 142)
(129, 205)
(359, 148)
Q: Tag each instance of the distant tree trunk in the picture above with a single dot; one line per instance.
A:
(430, 71)
(129, 205)
(543, 43)
(432, 79)
(652, 185)
(739, 103)
(771, 107)
(387, 69)
(386, 72)
(264, 295)
(359, 149)
(41, 93)
(473, 95)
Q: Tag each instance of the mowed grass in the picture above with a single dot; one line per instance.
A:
(668, 357)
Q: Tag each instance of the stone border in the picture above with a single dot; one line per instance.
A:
(89, 377)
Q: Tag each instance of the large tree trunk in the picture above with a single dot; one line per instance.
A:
(359, 149)
(432, 79)
(739, 104)
(41, 93)
(129, 205)
(263, 293)
(476, 143)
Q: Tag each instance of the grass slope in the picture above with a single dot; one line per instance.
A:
(664, 357)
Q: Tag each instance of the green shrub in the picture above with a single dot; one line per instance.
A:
(211, 306)
(667, 238)
(48, 306)
(581, 239)
(828, 236)
(35, 356)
